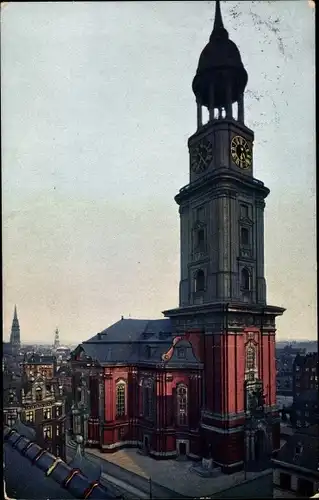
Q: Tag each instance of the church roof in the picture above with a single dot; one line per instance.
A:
(136, 341)
(132, 330)
(40, 476)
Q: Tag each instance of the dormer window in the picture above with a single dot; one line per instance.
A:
(298, 449)
(181, 353)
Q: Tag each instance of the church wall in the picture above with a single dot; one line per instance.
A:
(240, 373)
(272, 354)
(209, 372)
(196, 337)
(231, 380)
(266, 368)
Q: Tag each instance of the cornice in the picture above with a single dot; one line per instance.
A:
(222, 179)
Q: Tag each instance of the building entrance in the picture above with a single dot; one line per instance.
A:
(182, 449)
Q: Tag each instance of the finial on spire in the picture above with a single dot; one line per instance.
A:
(218, 16)
(218, 23)
(15, 314)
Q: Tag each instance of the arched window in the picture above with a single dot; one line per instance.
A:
(245, 279)
(38, 394)
(182, 404)
(244, 236)
(200, 281)
(148, 398)
(120, 399)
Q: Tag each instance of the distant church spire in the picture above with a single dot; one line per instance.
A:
(56, 339)
(15, 330)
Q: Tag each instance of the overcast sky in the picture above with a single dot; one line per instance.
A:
(97, 107)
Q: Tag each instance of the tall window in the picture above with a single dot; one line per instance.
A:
(38, 394)
(47, 432)
(148, 398)
(250, 358)
(244, 236)
(182, 404)
(200, 240)
(200, 281)
(120, 399)
(11, 420)
(245, 279)
(47, 413)
(29, 416)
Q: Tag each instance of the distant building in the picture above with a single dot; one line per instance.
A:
(11, 398)
(36, 398)
(64, 377)
(295, 469)
(43, 408)
(37, 363)
(284, 368)
(305, 390)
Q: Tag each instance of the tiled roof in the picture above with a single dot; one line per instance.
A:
(132, 330)
(91, 470)
(33, 473)
(134, 341)
(302, 449)
(37, 359)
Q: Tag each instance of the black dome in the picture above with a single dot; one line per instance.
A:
(219, 62)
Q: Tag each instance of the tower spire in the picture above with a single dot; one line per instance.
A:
(220, 78)
(56, 338)
(15, 330)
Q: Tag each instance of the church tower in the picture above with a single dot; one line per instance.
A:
(15, 330)
(222, 297)
(56, 339)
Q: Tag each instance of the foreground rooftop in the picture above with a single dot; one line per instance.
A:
(30, 472)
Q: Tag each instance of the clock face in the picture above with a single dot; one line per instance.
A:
(241, 152)
(201, 156)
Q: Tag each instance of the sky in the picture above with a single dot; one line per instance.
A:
(96, 109)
